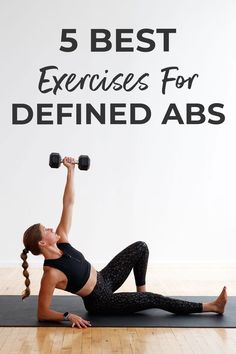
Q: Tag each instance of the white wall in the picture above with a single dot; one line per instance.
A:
(172, 185)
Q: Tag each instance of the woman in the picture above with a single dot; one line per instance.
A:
(66, 268)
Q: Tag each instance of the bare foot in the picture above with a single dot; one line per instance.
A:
(218, 305)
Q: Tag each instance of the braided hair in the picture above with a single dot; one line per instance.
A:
(30, 239)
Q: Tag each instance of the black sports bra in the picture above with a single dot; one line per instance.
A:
(73, 264)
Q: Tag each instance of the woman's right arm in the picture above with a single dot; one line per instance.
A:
(44, 301)
(68, 201)
(47, 288)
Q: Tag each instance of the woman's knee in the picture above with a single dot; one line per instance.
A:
(143, 245)
(142, 248)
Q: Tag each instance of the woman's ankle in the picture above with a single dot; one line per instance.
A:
(209, 307)
(205, 307)
(141, 289)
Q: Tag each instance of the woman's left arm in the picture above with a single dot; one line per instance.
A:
(68, 201)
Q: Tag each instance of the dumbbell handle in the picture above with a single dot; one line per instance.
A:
(76, 162)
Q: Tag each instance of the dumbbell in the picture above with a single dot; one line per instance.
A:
(55, 161)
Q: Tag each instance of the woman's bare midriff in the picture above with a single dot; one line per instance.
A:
(90, 284)
(62, 281)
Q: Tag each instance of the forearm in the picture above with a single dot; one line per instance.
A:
(51, 315)
(68, 196)
(58, 316)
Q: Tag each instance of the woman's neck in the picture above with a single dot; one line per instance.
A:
(52, 252)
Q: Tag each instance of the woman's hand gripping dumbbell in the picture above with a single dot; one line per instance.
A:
(55, 161)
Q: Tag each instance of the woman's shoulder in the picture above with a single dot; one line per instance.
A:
(49, 272)
(52, 274)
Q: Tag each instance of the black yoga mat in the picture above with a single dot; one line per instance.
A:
(15, 313)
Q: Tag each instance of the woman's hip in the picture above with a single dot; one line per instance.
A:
(99, 295)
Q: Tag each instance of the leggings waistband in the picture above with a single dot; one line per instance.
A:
(99, 284)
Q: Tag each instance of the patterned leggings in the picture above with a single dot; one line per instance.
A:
(103, 300)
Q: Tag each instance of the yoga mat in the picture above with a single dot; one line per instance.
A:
(15, 313)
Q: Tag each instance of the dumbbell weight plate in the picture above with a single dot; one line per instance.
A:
(54, 160)
(84, 162)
